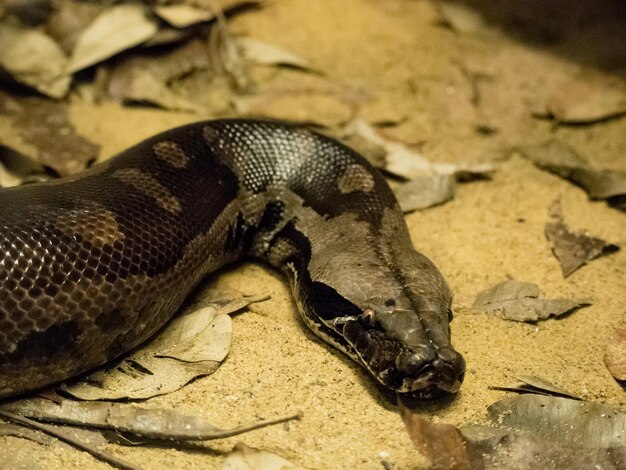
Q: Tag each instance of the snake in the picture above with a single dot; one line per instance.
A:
(94, 264)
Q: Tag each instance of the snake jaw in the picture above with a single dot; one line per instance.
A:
(421, 371)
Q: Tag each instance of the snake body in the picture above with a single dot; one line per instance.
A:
(93, 265)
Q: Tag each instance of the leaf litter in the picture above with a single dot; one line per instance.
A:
(573, 249)
(185, 341)
(523, 301)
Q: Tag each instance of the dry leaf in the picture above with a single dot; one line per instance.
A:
(192, 345)
(115, 30)
(527, 432)
(573, 249)
(69, 18)
(259, 52)
(407, 163)
(141, 422)
(615, 354)
(44, 125)
(587, 98)
(34, 59)
(460, 17)
(137, 85)
(572, 422)
(562, 160)
(534, 384)
(181, 15)
(16, 169)
(145, 78)
(244, 457)
(442, 444)
(521, 301)
(425, 191)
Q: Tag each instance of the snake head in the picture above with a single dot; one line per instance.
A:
(407, 351)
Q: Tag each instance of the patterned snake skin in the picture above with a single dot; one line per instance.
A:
(93, 265)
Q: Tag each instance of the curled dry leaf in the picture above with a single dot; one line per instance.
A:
(615, 354)
(573, 249)
(162, 424)
(244, 457)
(561, 159)
(192, 346)
(34, 59)
(115, 30)
(521, 301)
(425, 191)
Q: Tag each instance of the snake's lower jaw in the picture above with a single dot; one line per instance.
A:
(444, 374)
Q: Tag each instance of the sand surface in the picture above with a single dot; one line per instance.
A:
(410, 68)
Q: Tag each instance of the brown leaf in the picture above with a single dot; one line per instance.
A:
(520, 301)
(441, 443)
(34, 59)
(117, 29)
(45, 126)
(574, 249)
(562, 160)
(615, 354)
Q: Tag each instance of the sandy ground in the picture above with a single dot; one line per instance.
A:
(410, 68)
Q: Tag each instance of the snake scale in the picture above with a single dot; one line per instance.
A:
(93, 265)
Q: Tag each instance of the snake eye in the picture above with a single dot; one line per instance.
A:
(369, 316)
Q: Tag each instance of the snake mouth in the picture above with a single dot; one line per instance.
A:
(423, 371)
